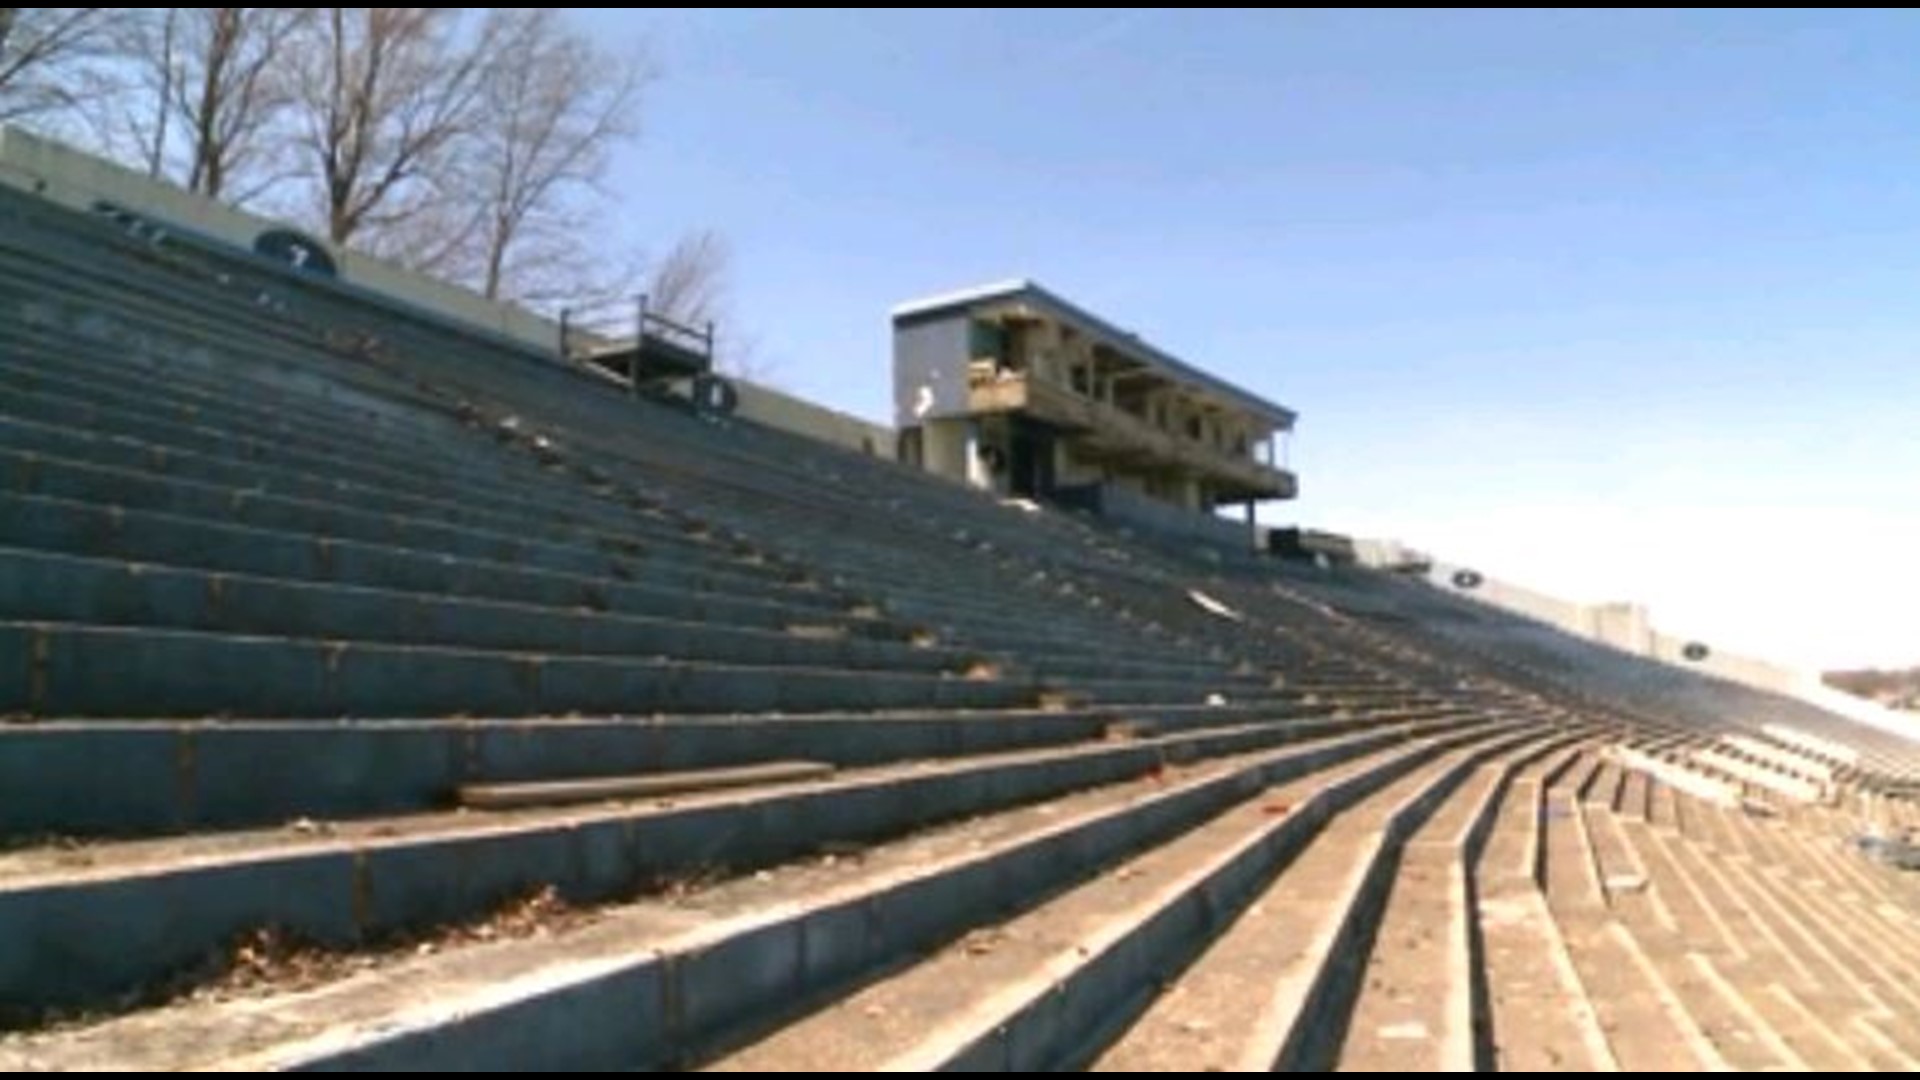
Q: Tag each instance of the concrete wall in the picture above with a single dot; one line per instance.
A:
(1561, 614)
(1748, 670)
(80, 180)
(1379, 554)
(943, 448)
(930, 370)
(788, 413)
(1120, 503)
(1627, 627)
(1622, 625)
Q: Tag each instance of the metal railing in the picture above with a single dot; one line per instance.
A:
(614, 327)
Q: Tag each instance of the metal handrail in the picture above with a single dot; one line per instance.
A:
(619, 323)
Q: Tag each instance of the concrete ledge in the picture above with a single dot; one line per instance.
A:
(1050, 1019)
(1468, 1044)
(108, 671)
(1315, 1024)
(91, 938)
(555, 511)
(79, 528)
(43, 587)
(554, 793)
(716, 978)
(114, 777)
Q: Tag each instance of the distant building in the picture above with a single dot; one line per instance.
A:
(1009, 387)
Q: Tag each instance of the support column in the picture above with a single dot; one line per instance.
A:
(976, 467)
(1253, 529)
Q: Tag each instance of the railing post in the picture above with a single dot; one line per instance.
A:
(709, 344)
(565, 315)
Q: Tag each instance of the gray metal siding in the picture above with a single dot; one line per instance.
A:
(930, 355)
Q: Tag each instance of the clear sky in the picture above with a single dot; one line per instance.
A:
(1614, 305)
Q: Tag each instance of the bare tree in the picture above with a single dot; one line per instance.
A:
(693, 285)
(690, 284)
(556, 105)
(213, 82)
(382, 98)
(154, 47)
(49, 58)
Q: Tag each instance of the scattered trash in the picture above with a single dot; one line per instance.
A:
(1902, 853)
(981, 942)
(1216, 699)
(1627, 883)
(1277, 809)
(1412, 1029)
(1214, 607)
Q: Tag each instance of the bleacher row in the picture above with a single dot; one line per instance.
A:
(378, 695)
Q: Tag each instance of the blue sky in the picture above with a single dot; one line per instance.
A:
(1616, 305)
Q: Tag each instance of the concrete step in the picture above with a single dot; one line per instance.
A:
(471, 474)
(342, 447)
(1096, 667)
(1635, 793)
(1850, 939)
(35, 586)
(183, 383)
(1649, 1026)
(458, 452)
(611, 528)
(738, 949)
(52, 669)
(1602, 788)
(280, 400)
(1738, 1034)
(135, 913)
(1724, 959)
(603, 788)
(28, 474)
(1276, 988)
(1850, 979)
(1849, 882)
(1421, 1004)
(1808, 944)
(1028, 992)
(142, 777)
(1541, 1015)
(1170, 691)
(1806, 1009)
(86, 529)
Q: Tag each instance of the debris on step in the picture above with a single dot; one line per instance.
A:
(1627, 883)
(1412, 1029)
